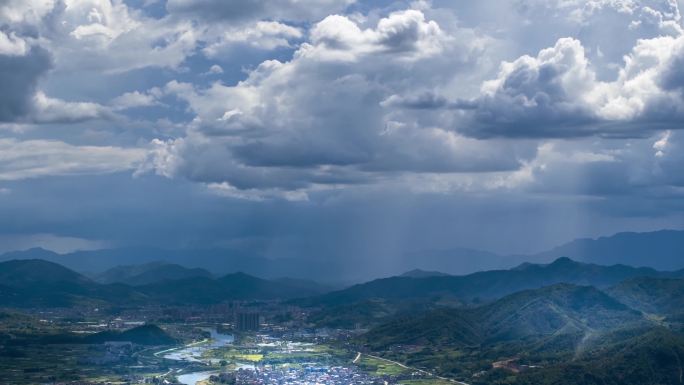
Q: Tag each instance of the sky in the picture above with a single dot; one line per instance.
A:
(338, 128)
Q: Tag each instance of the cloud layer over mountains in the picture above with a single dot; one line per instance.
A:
(340, 128)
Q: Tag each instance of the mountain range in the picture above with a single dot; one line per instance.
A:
(149, 273)
(661, 250)
(489, 285)
(44, 283)
(39, 283)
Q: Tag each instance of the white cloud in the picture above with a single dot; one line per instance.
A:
(56, 243)
(40, 158)
(319, 119)
(136, 99)
(265, 35)
(103, 35)
(25, 11)
(404, 34)
(661, 145)
(215, 70)
(226, 190)
(12, 45)
(52, 110)
(557, 94)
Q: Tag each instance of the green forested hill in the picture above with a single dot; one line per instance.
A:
(541, 313)
(658, 296)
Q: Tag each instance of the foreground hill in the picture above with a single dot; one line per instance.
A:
(149, 273)
(654, 357)
(561, 334)
(657, 296)
(37, 283)
(30, 272)
(141, 335)
(151, 335)
(552, 311)
(489, 285)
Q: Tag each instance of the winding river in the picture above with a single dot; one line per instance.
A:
(193, 353)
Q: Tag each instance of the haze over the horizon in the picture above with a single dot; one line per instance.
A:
(338, 128)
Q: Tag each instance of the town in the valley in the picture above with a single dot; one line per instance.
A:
(236, 343)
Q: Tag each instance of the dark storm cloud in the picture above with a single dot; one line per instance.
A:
(245, 10)
(672, 78)
(19, 77)
(367, 225)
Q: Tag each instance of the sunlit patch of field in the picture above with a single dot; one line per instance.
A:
(426, 381)
(234, 355)
(248, 357)
(380, 367)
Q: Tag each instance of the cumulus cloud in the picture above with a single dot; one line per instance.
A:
(404, 34)
(537, 96)
(557, 94)
(265, 35)
(110, 36)
(319, 119)
(104, 35)
(52, 110)
(136, 99)
(115, 37)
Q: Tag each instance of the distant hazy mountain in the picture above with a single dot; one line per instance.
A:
(230, 287)
(548, 312)
(457, 261)
(417, 273)
(662, 250)
(153, 272)
(490, 284)
(217, 261)
(306, 284)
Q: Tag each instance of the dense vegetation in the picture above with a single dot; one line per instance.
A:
(561, 334)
